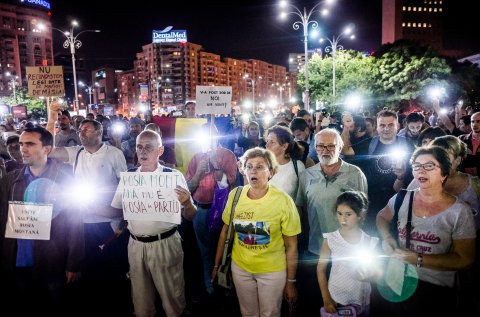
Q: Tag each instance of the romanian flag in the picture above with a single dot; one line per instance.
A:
(180, 138)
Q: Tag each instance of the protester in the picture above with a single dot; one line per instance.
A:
(348, 281)
(288, 154)
(155, 251)
(216, 165)
(318, 190)
(97, 168)
(263, 272)
(35, 272)
(442, 235)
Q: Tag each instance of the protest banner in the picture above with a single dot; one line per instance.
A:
(29, 221)
(150, 196)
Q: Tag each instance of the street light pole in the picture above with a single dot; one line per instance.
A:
(333, 47)
(72, 42)
(305, 21)
(13, 82)
(253, 89)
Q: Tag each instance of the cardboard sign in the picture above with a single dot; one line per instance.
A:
(150, 196)
(29, 221)
(213, 100)
(45, 81)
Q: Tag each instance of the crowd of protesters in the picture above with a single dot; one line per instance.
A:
(317, 187)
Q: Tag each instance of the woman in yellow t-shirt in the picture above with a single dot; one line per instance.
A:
(264, 256)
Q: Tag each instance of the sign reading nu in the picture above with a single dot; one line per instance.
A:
(168, 35)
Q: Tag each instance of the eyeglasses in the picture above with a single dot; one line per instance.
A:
(330, 147)
(259, 168)
(147, 148)
(429, 166)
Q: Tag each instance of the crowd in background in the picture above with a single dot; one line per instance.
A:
(315, 185)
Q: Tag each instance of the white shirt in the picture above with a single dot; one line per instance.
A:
(286, 179)
(100, 171)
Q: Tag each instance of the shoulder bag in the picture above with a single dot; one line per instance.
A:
(224, 274)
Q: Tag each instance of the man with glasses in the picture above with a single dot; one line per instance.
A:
(97, 166)
(319, 187)
(155, 251)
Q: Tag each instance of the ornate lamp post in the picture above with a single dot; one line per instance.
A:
(304, 22)
(333, 47)
(74, 44)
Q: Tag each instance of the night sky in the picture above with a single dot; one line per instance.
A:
(237, 29)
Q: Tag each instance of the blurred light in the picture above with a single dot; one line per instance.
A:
(245, 118)
(353, 101)
(365, 257)
(118, 128)
(443, 111)
(436, 92)
(267, 118)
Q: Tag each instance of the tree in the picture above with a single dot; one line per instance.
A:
(35, 107)
(353, 73)
(405, 72)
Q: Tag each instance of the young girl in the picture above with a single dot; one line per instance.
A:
(350, 250)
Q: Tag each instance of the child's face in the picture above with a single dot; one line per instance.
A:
(347, 217)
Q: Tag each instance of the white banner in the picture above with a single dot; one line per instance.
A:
(150, 196)
(29, 221)
(213, 100)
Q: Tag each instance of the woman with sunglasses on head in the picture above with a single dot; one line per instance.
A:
(264, 254)
(467, 188)
(441, 234)
(280, 141)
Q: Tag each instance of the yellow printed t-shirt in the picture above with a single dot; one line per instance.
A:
(259, 228)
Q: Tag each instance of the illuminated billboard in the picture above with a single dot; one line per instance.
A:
(168, 35)
(41, 3)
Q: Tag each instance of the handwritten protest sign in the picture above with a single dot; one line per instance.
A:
(150, 196)
(45, 81)
(213, 100)
(29, 221)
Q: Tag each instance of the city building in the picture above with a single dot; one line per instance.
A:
(417, 20)
(173, 70)
(22, 43)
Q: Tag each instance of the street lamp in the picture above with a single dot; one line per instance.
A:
(281, 88)
(246, 77)
(89, 90)
(72, 42)
(304, 22)
(333, 47)
(157, 83)
(13, 83)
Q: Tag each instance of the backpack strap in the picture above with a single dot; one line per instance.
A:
(475, 186)
(295, 166)
(76, 159)
(396, 207)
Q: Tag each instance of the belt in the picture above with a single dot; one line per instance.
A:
(154, 238)
(204, 206)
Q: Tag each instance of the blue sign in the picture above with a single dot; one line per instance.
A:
(41, 3)
(168, 35)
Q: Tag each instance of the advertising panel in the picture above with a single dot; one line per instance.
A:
(168, 35)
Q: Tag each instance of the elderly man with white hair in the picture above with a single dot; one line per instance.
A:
(319, 187)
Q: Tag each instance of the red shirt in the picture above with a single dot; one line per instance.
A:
(206, 185)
